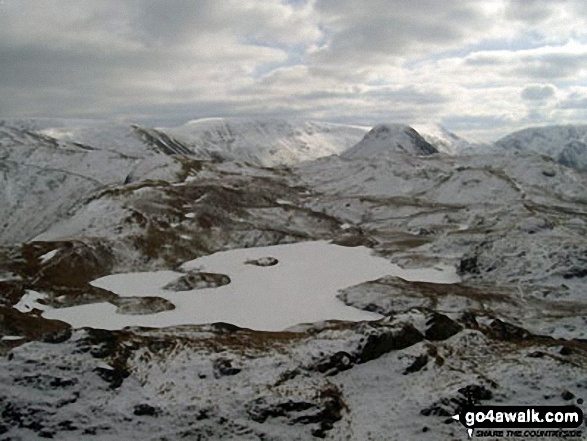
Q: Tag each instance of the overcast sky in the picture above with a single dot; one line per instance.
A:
(480, 67)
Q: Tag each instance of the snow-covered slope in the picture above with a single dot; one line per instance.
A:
(386, 139)
(444, 140)
(120, 137)
(501, 240)
(50, 165)
(44, 172)
(266, 142)
(566, 144)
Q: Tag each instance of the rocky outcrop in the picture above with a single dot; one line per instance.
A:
(142, 305)
(197, 280)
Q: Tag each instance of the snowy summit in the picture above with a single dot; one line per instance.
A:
(386, 139)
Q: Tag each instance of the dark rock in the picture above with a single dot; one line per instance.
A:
(100, 343)
(475, 393)
(389, 340)
(263, 261)
(537, 354)
(447, 407)
(202, 415)
(567, 395)
(11, 292)
(354, 240)
(417, 365)
(436, 410)
(224, 368)
(57, 337)
(198, 280)
(160, 345)
(14, 322)
(67, 425)
(324, 411)
(142, 305)
(469, 320)
(331, 412)
(260, 411)
(566, 350)
(145, 410)
(575, 272)
(440, 327)
(341, 361)
(225, 328)
(507, 331)
(60, 382)
(469, 265)
(113, 376)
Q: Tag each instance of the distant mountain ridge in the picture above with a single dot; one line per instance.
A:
(446, 141)
(266, 142)
(566, 144)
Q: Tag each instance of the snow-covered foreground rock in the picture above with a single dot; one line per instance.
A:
(409, 285)
(373, 381)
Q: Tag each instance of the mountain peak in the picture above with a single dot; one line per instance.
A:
(385, 139)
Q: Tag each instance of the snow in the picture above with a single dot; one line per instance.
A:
(50, 255)
(386, 139)
(266, 142)
(11, 338)
(444, 140)
(566, 144)
(301, 288)
(29, 301)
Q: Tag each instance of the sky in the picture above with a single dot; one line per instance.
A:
(482, 68)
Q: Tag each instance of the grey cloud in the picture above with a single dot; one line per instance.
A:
(552, 66)
(574, 101)
(188, 58)
(408, 94)
(537, 93)
(362, 32)
(546, 67)
(472, 122)
(480, 60)
(531, 11)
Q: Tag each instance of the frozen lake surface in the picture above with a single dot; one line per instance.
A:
(301, 288)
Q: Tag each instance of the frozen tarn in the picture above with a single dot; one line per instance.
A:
(301, 288)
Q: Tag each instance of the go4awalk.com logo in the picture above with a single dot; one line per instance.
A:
(522, 421)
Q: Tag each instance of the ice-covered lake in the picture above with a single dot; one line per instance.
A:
(301, 288)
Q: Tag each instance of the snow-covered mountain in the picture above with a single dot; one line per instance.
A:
(266, 142)
(47, 168)
(388, 139)
(567, 144)
(50, 165)
(449, 280)
(444, 140)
